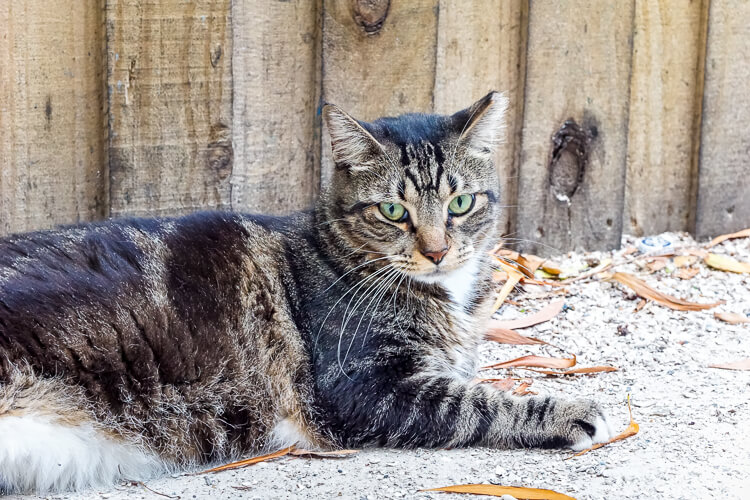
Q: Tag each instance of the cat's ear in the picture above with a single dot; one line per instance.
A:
(481, 126)
(353, 147)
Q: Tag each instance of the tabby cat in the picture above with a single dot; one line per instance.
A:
(134, 347)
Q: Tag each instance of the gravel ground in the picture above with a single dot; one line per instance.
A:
(694, 441)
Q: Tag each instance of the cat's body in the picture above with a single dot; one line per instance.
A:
(132, 347)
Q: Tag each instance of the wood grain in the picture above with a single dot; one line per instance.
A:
(664, 92)
(53, 139)
(372, 69)
(481, 46)
(170, 105)
(276, 68)
(724, 176)
(577, 68)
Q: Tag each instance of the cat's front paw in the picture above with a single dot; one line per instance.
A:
(584, 425)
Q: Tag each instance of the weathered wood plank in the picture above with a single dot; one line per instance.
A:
(665, 90)
(378, 58)
(170, 104)
(53, 138)
(276, 73)
(724, 176)
(577, 69)
(481, 46)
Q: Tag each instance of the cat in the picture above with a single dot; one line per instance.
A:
(134, 347)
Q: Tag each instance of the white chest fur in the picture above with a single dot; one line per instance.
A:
(461, 283)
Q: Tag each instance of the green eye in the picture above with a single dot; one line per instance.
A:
(393, 211)
(461, 204)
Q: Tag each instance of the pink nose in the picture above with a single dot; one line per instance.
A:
(436, 256)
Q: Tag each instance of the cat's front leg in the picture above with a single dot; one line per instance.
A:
(428, 411)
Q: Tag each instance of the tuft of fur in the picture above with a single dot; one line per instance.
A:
(135, 346)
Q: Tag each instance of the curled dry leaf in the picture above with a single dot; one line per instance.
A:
(299, 452)
(529, 264)
(631, 430)
(577, 371)
(725, 263)
(743, 364)
(551, 268)
(513, 278)
(250, 461)
(498, 491)
(532, 361)
(508, 336)
(732, 318)
(645, 291)
(685, 260)
(687, 273)
(640, 305)
(523, 389)
(503, 384)
(745, 233)
(545, 314)
(656, 265)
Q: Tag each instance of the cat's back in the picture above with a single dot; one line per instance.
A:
(153, 300)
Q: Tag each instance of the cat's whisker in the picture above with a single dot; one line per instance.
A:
(555, 249)
(330, 310)
(354, 269)
(393, 271)
(385, 282)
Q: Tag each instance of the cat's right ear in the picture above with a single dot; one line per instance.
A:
(353, 147)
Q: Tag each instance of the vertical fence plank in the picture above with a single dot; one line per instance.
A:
(53, 141)
(276, 75)
(481, 46)
(170, 104)
(665, 89)
(378, 58)
(574, 137)
(724, 176)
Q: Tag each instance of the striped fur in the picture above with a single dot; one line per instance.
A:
(147, 345)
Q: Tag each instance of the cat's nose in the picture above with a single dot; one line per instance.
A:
(436, 256)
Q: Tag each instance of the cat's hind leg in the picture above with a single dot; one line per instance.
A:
(50, 441)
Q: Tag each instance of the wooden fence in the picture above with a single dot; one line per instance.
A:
(627, 115)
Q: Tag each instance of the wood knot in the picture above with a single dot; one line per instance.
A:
(370, 14)
(570, 153)
(220, 151)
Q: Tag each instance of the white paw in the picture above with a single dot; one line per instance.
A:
(602, 434)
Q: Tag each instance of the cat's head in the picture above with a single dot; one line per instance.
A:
(421, 190)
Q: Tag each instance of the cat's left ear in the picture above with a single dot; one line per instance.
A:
(481, 126)
(353, 147)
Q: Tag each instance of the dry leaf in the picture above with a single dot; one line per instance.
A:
(687, 273)
(732, 318)
(631, 430)
(739, 234)
(724, 263)
(551, 268)
(529, 264)
(577, 371)
(498, 491)
(545, 314)
(629, 250)
(298, 452)
(743, 364)
(523, 389)
(532, 361)
(684, 260)
(513, 278)
(499, 276)
(251, 461)
(656, 265)
(503, 384)
(507, 336)
(645, 291)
